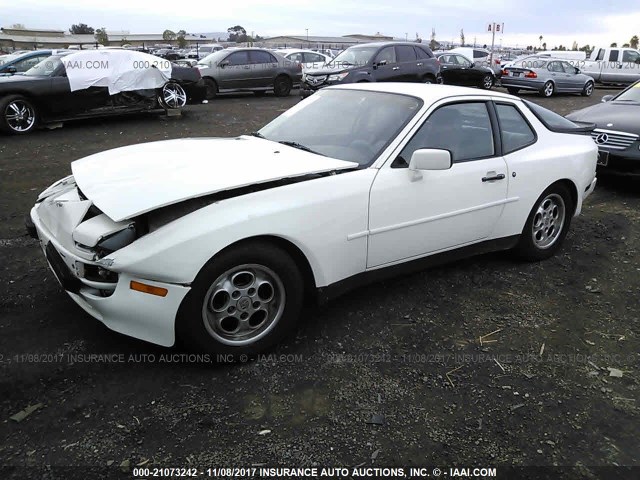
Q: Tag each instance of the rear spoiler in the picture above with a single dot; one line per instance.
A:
(582, 128)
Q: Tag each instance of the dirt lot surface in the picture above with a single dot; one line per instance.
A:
(483, 362)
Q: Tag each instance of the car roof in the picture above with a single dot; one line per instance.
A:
(389, 44)
(429, 93)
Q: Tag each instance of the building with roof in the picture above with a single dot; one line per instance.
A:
(320, 42)
(32, 39)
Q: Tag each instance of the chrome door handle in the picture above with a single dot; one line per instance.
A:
(396, 68)
(499, 176)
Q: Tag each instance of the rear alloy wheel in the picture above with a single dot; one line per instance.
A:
(243, 301)
(212, 88)
(547, 224)
(548, 89)
(282, 86)
(487, 82)
(588, 89)
(18, 115)
(173, 95)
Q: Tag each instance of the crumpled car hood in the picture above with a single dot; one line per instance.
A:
(129, 181)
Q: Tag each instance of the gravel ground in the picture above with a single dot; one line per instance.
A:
(482, 362)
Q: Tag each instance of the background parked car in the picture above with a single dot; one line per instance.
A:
(248, 69)
(308, 58)
(479, 56)
(617, 131)
(546, 76)
(376, 62)
(21, 62)
(457, 69)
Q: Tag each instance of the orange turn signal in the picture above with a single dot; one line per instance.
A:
(150, 289)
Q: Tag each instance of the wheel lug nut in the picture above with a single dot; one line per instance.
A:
(256, 304)
(244, 315)
(235, 294)
(252, 292)
(231, 309)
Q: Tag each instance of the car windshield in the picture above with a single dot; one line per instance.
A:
(45, 68)
(354, 56)
(632, 94)
(352, 125)
(4, 59)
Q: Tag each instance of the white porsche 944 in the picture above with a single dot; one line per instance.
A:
(219, 242)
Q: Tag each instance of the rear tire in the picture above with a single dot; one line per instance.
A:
(487, 82)
(18, 115)
(548, 89)
(588, 89)
(513, 91)
(282, 86)
(217, 316)
(547, 224)
(212, 88)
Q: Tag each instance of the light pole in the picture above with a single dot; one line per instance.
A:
(307, 36)
(406, 36)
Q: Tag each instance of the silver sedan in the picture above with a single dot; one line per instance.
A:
(546, 76)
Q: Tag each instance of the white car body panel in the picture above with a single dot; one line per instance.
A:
(128, 181)
(343, 223)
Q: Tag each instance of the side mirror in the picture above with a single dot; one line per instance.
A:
(12, 70)
(430, 159)
(577, 70)
(472, 65)
(223, 63)
(607, 98)
(381, 63)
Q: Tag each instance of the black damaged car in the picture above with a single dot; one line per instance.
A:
(375, 62)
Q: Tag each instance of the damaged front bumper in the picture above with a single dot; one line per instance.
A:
(110, 297)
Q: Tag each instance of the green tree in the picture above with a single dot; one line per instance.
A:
(169, 35)
(613, 45)
(433, 44)
(237, 34)
(182, 43)
(81, 29)
(462, 44)
(124, 41)
(101, 36)
(633, 43)
(544, 46)
(626, 45)
(586, 49)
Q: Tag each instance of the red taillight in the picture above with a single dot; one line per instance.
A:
(531, 75)
(504, 73)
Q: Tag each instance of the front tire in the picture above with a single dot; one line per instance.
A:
(212, 88)
(172, 96)
(548, 89)
(588, 89)
(282, 86)
(243, 301)
(18, 115)
(547, 224)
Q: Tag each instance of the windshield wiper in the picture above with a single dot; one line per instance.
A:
(257, 134)
(299, 146)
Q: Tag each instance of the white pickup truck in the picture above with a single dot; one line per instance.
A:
(611, 65)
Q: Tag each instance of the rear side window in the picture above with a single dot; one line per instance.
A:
(613, 56)
(555, 122)
(421, 53)
(479, 54)
(630, 56)
(238, 58)
(258, 56)
(515, 130)
(405, 53)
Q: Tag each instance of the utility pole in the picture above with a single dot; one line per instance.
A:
(406, 36)
(307, 36)
(493, 27)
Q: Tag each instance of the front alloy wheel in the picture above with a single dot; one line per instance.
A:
(487, 82)
(243, 304)
(548, 221)
(548, 89)
(18, 115)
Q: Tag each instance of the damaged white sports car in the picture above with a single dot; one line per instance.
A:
(219, 241)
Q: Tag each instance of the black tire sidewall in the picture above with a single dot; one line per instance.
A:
(526, 249)
(4, 126)
(189, 323)
(211, 88)
(584, 90)
(544, 88)
(482, 85)
(282, 80)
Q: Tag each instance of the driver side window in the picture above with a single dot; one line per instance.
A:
(387, 54)
(464, 129)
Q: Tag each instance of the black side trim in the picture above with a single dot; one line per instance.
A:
(30, 226)
(343, 286)
(67, 279)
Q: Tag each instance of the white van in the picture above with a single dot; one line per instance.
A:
(564, 54)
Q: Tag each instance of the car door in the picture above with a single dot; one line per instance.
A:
(630, 66)
(65, 103)
(574, 81)
(424, 63)
(385, 67)
(264, 67)
(406, 62)
(412, 214)
(612, 68)
(450, 70)
(557, 75)
(466, 72)
(235, 70)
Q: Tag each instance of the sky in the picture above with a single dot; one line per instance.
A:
(559, 22)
